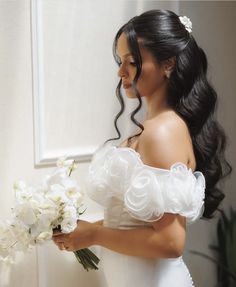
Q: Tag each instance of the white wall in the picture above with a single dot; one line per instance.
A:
(16, 129)
(48, 266)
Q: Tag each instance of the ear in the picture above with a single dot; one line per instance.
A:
(169, 65)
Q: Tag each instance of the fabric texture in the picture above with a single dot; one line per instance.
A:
(133, 195)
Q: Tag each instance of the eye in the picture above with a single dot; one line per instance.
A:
(133, 64)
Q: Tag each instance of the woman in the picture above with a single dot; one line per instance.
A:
(163, 178)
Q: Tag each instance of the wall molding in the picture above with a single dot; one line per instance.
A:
(42, 157)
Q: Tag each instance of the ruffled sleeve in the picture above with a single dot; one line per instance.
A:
(150, 194)
(109, 173)
(95, 183)
(147, 192)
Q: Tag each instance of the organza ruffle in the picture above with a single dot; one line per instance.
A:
(147, 192)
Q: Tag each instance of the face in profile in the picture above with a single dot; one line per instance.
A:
(152, 79)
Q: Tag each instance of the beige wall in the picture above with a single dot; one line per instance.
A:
(213, 28)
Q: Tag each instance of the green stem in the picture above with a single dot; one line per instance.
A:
(87, 258)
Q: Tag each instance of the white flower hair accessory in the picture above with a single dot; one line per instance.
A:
(186, 22)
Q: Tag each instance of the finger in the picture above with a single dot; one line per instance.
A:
(57, 232)
(58, 240)
(59, 237)
(67, 248)
(61, 246)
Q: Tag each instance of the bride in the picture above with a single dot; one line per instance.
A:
(160, 180)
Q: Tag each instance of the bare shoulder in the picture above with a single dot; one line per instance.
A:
(165, 141)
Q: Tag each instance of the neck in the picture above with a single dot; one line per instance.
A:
(156, 105)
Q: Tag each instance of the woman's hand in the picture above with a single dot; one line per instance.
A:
(81, 237)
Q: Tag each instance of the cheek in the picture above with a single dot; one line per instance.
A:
(150, 79)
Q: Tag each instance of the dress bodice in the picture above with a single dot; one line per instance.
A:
(135, 194)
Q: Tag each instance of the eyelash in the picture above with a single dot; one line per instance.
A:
(131, 63)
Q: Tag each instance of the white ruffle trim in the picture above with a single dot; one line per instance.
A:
(149, 196)
(148, 192)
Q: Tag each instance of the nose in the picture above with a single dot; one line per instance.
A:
(122, 72)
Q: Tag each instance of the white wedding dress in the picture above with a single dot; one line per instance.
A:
(133, 195)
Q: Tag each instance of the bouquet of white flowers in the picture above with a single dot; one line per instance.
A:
(54, 204)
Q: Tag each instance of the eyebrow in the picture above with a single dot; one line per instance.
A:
(125, 55)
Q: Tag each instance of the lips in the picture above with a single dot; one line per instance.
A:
(126, 85)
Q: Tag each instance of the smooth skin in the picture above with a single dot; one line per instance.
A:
(164, 141)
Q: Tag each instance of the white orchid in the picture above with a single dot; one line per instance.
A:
(39, 209)
(44, 236)
(25, 213)
(63, 162)
(69, 221)
(19, 185)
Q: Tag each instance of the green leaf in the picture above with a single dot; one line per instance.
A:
(234, 248)
(224, 218)
(214, 247)
(231, 247)
(213, 260)
(225, 248)
(80, 213)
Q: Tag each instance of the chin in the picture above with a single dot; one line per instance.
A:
(130, 94)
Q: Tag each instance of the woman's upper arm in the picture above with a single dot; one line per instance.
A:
(161, 146)
(172, 228)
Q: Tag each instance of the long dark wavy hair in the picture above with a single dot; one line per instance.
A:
(189, 93)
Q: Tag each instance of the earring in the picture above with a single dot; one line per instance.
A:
(168, 74)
